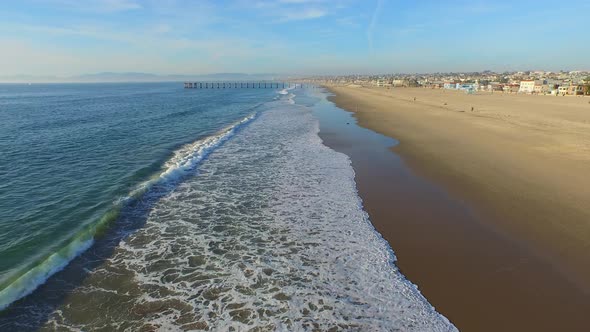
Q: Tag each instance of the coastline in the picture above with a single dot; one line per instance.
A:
(490, 254)
(264, 229)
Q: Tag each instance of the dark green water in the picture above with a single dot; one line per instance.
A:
(70, 152)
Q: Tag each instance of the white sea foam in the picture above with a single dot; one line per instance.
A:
(287, 95)
(270, 234)
(184, 160)
(285, 91)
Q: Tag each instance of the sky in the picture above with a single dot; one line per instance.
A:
(304, 37)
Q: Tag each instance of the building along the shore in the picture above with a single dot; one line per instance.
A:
(576, 90)
(563, 90)
(527, 86)
(511, 88)
(541, 88)
(533, 86)
(399, 83)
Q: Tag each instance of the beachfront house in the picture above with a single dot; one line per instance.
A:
(399, 83)
(511, 88)
(563, 90)
(495, 86)
(576, 90)
(433, 85)
(438, 84)
(460, 86)
(527, 86)
(570, 90)
(383, 83)
(541, 88)
(467, 87)
(450, 85)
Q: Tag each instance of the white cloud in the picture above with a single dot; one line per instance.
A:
(100, 6)
(300, 1)
(305, 14)
(283, 11)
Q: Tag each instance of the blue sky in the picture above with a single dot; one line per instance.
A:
(70, 37)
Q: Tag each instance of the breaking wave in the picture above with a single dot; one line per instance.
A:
(184, 160)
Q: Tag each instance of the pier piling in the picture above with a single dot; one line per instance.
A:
(247, 85)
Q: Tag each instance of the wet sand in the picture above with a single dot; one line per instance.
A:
(489, 243)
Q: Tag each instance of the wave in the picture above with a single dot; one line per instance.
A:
(184, 160)
(276, 226)
(285, 91)
(286, 94)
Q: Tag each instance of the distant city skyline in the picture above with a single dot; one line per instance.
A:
(66, 38)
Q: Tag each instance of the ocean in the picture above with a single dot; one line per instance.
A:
(151, 207)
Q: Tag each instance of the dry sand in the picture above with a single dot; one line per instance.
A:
(521, 162)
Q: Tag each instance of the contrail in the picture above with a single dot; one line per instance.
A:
(372, 24)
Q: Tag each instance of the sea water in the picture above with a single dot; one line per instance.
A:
(187, 210)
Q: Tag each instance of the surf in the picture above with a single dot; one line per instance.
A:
(184, 160)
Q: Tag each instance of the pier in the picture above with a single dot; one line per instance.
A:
(246, 85)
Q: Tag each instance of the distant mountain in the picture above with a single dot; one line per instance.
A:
(138, 77)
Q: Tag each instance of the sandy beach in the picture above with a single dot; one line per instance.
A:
(520, 163)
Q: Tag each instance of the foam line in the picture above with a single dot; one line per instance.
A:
(184, 160)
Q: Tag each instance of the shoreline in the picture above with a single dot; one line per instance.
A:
(267, 228)
(476, 259)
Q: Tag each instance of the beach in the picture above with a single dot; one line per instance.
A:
(514, 257)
